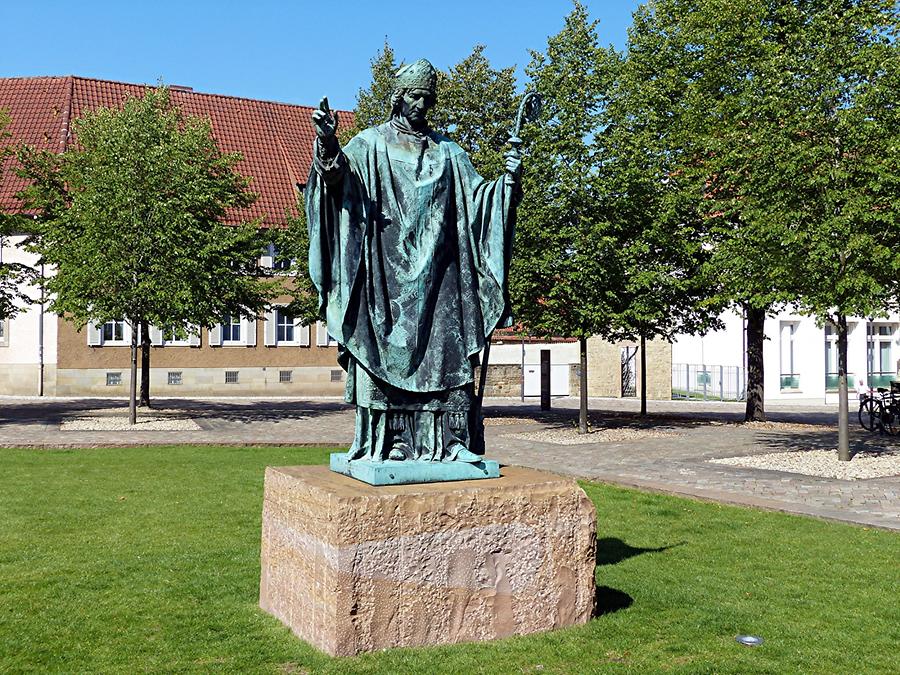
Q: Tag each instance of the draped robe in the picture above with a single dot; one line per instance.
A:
(409, 251)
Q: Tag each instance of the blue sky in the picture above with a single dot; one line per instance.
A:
(282, 51)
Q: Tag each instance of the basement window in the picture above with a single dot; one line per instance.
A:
(285, 375)
(231, 377)
(174, 377)
(337, 375)
(113, 379)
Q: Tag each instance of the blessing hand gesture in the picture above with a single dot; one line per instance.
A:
(325, 120)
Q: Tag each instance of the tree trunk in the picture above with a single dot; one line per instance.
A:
(843, 405)
(132, 385)
(583, 407)
(756, 335)
(145, 364)
(643, 368)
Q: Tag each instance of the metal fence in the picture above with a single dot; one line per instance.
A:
(720, 383)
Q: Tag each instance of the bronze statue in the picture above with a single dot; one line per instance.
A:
(409, 250)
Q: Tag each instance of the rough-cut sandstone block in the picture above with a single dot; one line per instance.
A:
(351, 568)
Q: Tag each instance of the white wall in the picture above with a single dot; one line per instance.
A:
(726, 348)
(23, 329)
(717, 348)
(511, 353)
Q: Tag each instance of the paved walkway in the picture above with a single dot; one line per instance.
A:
(676, 463)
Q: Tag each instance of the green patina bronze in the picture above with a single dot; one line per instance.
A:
(409, 250)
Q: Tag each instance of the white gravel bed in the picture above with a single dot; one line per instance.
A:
(822, 463)
(508, 421)
(119, 423)
(572, 437)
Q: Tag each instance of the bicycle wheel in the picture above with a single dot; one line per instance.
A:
(869, 414)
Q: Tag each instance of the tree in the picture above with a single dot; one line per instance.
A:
(14, 277)
(703, 72)
(132, 221)
(830, 171)
(292, 247)
(373, 104)
(566, 273)
(476, 107)
(666, 290)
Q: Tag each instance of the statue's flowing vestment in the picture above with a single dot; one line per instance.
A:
(409, 250)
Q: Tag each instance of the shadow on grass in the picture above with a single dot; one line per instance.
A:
(610, 600)
(611, 550)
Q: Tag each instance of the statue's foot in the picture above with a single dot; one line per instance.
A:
(465, 455)
(399, 452)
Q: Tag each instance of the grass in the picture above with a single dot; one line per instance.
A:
(147, 560)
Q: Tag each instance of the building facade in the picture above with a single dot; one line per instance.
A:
(800, 357)
(269, 355)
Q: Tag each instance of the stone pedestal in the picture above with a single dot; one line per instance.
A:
(351, 568)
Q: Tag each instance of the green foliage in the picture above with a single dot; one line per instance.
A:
(695, 72)
(566, 274)
(14, 277)
(476, 107)
(158, 571)
(373, 105)
(292, 246)
(132, 221)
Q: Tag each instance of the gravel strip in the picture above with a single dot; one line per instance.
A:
(144, 423)
(507, 421)
(572, 437)
(784, 426)
(822, 463)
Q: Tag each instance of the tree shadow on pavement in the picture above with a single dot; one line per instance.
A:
(860, 441)
(50, 411)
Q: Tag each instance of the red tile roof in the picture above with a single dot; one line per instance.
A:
(275, 138)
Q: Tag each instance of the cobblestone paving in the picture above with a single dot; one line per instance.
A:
(676, 463)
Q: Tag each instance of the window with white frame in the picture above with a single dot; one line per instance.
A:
(284, 326)
(232, 332)
(323, 338)
(879, 354)
(279, 262)
(790, 378)
(172, 335)
(231, 329)
(831, 357)
(113, 331)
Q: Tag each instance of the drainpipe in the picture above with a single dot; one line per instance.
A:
(41, 338)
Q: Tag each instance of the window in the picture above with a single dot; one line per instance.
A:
(114, 331)
(231, 377)
(831, 358)
(174, 377)
(337, 375)
(231, 329)
(4, 332)
(113, 379)
(879, 355)
(280, 264)
(284, 326)
(790, 378)
(284, 375)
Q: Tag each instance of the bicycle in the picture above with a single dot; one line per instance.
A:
(880, 411)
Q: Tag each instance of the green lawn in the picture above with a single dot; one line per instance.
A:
(137, 560)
